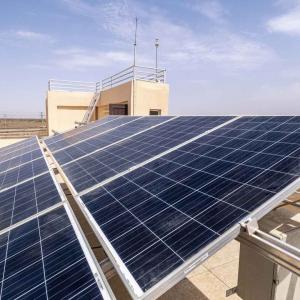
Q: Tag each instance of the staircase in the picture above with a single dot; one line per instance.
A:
(91, 108)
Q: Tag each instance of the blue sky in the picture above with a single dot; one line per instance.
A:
(222, 57)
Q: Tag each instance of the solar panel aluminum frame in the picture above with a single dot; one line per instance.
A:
(100, 278)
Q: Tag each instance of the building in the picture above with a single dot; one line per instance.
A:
(134, 91)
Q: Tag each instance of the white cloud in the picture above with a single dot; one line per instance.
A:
(288, 23)
(212, 9)
(31, 35)
(114, 16)
(79, 58)
(181, 44)
(25, 35)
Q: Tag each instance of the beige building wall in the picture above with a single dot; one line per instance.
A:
(149, 96)
(141, 97)
(121, 94)
(64, 108)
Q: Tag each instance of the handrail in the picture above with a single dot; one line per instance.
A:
(149, 74)
(143, 73)
(73, 86)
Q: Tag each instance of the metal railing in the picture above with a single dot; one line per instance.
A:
(135, 73)
(73, 86)
(131, 73)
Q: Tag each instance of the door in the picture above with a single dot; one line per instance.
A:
(118, 109)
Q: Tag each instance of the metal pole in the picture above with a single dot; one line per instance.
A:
(134, 45)
(156, 50)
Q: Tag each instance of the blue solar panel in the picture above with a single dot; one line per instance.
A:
(57, 138)
(43, 259)
(27, 199)
(159, 216)
(18, 149)
(97, 167)
(23, 172)
(17, 146)
(126, 129)
(66, 139)
(19, 160)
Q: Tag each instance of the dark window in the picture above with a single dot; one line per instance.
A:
(118, 109)
(155, 112)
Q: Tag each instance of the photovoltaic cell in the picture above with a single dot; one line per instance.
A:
(19, 160)
(90, 170)
(43, 259)
(17, 146)
(79, 130)
(132, 126)
(160, 215)
(27, 199)
(22, 172)
(66, 139)
(13, 151)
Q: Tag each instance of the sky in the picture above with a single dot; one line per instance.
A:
(222, 57)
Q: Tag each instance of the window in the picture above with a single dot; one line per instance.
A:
(155, 112)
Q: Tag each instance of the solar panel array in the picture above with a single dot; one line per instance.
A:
(140, 143)
(161, 193)
(41, 255)
(163, 196)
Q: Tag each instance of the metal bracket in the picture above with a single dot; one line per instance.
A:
(231, 291)
(80, 123)
(251, 226)
(270, 247)
(55, 132)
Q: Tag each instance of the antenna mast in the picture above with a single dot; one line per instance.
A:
(134, 45)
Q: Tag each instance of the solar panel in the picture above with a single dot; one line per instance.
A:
(73, 132)
(42, 252)
(65, 139)
(162, 195)
(19, 160)
(26, 199)
(15, 146)
(160, 219)
(106, 138)
(45, 258)
(23, 172)
(8, 152)
(102, 164)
